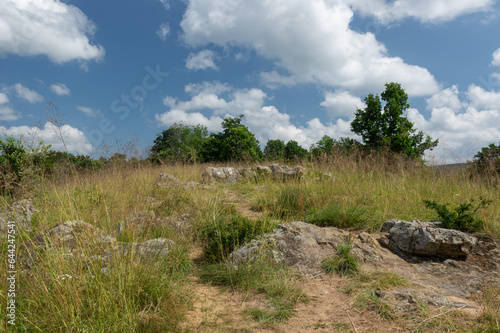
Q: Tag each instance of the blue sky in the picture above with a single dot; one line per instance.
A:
(121, 71)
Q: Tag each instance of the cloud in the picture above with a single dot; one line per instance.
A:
(3, 98)
(27, 94)
(163, 31)
(55, 29)
(341, 103)
(60, 89)
(202, 60)
(274, 80)
(496, 58)
(74, 139)
(434, 11)
(308, 41)
(7, 113)
(211, 105)
(462, 126)
(165, 3)
(88, 111)
(481, 98)
(445, 98)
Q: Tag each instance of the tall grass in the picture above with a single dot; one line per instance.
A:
(64, 295)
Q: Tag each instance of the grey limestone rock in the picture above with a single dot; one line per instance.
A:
(427, 239)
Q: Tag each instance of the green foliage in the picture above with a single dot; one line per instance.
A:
(462, 217)
(235, 143)
(333, 215)
(17, 162)
(344, 262)
(487, 161)
(274, 150)
(329, 146)
(179, 143)
(390, 129)
(221, 238)
(294, 152)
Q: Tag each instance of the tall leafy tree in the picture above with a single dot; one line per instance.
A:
(488, 159)
(294, 151)
(388, 127)
(274, 150)
(179, 143)
(234, 143)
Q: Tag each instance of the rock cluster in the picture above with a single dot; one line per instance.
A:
(78, 238)
(231, 175)
(453, 268)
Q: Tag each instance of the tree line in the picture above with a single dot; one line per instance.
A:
(384, 128)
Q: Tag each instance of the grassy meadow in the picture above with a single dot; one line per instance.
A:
(61, 295)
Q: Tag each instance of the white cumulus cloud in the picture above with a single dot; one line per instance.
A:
(341, 103)
(55, 29)
(201, 60)
(462, 126)
(74, 140)
(60, 89)
(27, 94)
(310, 41)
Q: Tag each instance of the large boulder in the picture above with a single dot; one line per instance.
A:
(223, 174)
(16, 217)
(74, 237)
(299, 245)
(426, 239)
(286, 172)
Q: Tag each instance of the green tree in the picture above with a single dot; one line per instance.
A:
(388, 127)
(179, 143)
(328, 146)
(234, 143)
(488, 159)
(274, 150)
(19, 162)
(294, 151)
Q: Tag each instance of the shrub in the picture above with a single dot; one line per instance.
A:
(335, 216)
(462, 217)
(17, 162)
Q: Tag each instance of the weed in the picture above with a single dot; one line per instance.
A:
(462, 218)
(344, 262)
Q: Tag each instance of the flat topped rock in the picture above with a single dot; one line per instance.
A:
(427, 239)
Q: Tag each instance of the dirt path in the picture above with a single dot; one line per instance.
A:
(217, 309)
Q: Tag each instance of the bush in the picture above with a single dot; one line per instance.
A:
(17, 163)
(462, 217)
